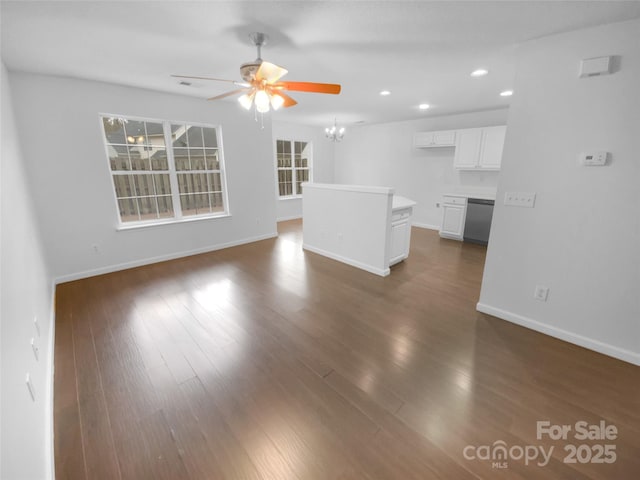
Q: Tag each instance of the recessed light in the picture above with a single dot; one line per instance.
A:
(423, 106)
(384, 93)
(506, 93)
(480, 72)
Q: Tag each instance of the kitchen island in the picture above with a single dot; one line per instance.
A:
(367, 227)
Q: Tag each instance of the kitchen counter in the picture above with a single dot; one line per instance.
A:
(401, 202)
(480, 196)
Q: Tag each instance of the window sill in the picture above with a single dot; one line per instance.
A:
(172, 221)
(291, 197)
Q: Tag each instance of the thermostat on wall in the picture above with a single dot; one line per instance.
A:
(594, 159)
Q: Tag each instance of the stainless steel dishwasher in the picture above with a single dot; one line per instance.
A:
(478, 221)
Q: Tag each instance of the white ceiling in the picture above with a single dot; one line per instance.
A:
(421, 51)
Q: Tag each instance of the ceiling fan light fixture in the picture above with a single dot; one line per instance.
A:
(262, 88)
(276, 101)
(262, 101)
(246, 100)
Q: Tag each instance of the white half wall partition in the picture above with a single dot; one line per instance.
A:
(349, 223)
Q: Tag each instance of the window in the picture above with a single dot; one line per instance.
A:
(294, 166)
(154, 183)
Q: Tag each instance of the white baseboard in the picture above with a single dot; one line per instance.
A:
(292, 217)
(586, 342)
(425, 225)
(348, 261)
(160, 258)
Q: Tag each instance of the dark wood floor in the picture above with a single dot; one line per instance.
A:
(266, 362)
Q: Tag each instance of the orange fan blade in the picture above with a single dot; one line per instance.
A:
(288, 101)
(270, 73)
(228, 94)
(332, 88)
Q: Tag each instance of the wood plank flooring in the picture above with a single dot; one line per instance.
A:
(267, 362)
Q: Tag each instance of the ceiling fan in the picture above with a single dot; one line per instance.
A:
(262, 86)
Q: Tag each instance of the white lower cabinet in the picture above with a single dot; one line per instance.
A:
(400, 235)
(454, 211)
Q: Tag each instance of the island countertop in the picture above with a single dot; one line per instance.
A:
(401, 202)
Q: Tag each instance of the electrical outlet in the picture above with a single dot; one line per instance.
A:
(32, 390)
(34, 347)
(520, 199)
(541, 293)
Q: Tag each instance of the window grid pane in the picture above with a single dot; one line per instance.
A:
(200, 178)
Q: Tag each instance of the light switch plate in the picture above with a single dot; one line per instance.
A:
(520, 199)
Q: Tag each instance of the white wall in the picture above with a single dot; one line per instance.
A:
(322, 168)
(383, 155)
(582, 238)
(25, 291)
(70, 181)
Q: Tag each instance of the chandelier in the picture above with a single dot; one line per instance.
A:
(334, 133)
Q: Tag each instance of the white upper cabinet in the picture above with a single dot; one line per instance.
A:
(467, 148)
(446, 138)
(492, 144)
(479, 148)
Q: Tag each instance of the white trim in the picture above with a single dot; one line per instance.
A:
(586, 342)
(160, 258)
(290, 197)
(50, 372)
(123, 227)
(292, 217)
(425, 225)
(348, 261)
